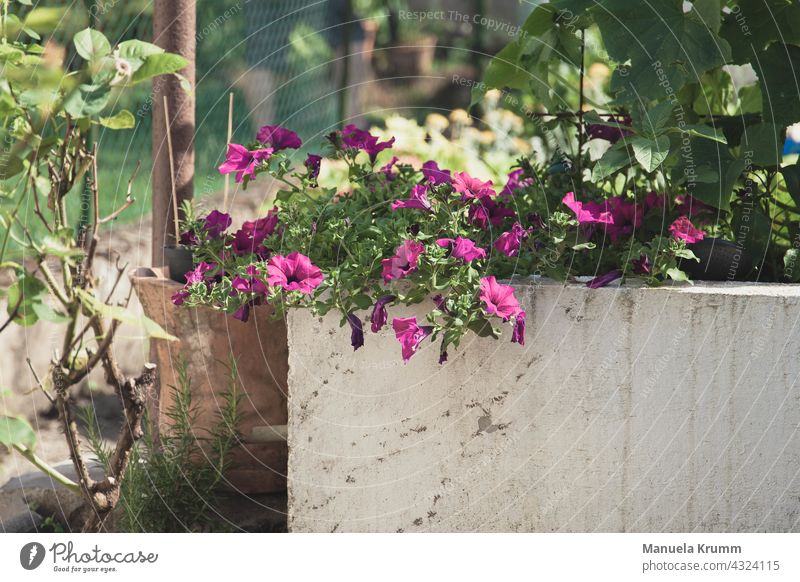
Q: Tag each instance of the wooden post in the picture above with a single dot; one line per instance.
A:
(174, 25)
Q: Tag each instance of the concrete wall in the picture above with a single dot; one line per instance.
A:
(629, 409)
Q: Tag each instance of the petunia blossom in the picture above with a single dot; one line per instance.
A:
(243, 161)
(386, 169)
(243, 313)
(518, 335)
(312, 164)
(641, 266)
(278, 138)
(418, 198)
(610, 133)
(462, 248)
(683, 229)
(510, 242)
(587, 212)
(403, 262)
(499, 299)
(294, 272)
(379, 315)
(355, 138)
(487, 212)
(179, 296)
(216, 223)
(603, 280)
(435, 175)
(356, 331)
(251, 235)
(198, 274)
(470, 187)
(515, 182)
(410, 334)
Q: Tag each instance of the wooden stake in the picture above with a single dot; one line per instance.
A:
(172, 175)
(230, 136)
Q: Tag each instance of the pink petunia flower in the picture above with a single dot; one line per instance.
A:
(403, 262)
(278, 138)
(243, 161)
(462, 248)
(587, 212)
(417, 199)
(470, 187)
(510, 242)
(386, 169)
(294, 272)
(410, 335)
(198, 274)
(683, 229)
(514, 183)
(499, 299)
(486, 211)
(179, 296)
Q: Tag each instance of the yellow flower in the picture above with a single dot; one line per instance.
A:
(460, 116)
(436, 122)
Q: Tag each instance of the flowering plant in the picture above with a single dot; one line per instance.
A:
(404, 235)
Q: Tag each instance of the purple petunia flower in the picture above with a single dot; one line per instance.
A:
(198, 274)
(249, 238)
(278, 138)
(179, 296)
(499, 299)
(356, 331)
(410, 335)
(641, 266)
(355, 138)
(216, 223)
(462, 248)
(294, 272)
(509, 242)
(514, 183)
(243, 161)
(604, 280)
(487, 212)
(243, 313)
(313, 163)
(386, 169)
(434, 175)
(417, 199)
(403, 262)
(518, 335)
(380, 315)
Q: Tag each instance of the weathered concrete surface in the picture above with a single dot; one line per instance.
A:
(629, 409)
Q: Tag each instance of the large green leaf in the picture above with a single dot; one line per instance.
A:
(791, 175)
(753, 24)
(16, 431)
(613, 159)
(666, 47)
(119, 313)
(91, 44)
(138, 49)
(780, 89)
(22, 295)
(87, 100)
(159, 64)
(650, 153)
(122, 120)
(708, 171)
(762, 144)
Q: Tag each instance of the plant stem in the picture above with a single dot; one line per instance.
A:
(47, 469)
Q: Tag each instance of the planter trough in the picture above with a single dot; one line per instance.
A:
(628, 409)
(205, 339)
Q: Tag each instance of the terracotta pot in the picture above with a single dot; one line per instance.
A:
(205, 339)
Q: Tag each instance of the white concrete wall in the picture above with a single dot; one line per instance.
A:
(629, 409)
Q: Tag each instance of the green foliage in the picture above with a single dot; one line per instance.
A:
(173, 484)
(15, 431)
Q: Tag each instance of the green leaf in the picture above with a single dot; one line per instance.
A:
(119, 313)
(704, 131)
(138, 49)
(780, 97)
(25, 292)
(762, 144)
(791, 175)
(708, 13)
(666, 47)
(87, 100)
(677, 275)
(92, 44)
(362, 301)
(159, 64)
(46, 313)
(757, 23)
(650, 153)
(614, 159)
(11, 166)
(122, 120)
(16, 431)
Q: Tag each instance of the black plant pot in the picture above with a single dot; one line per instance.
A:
(179, 262)
(720, 260)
